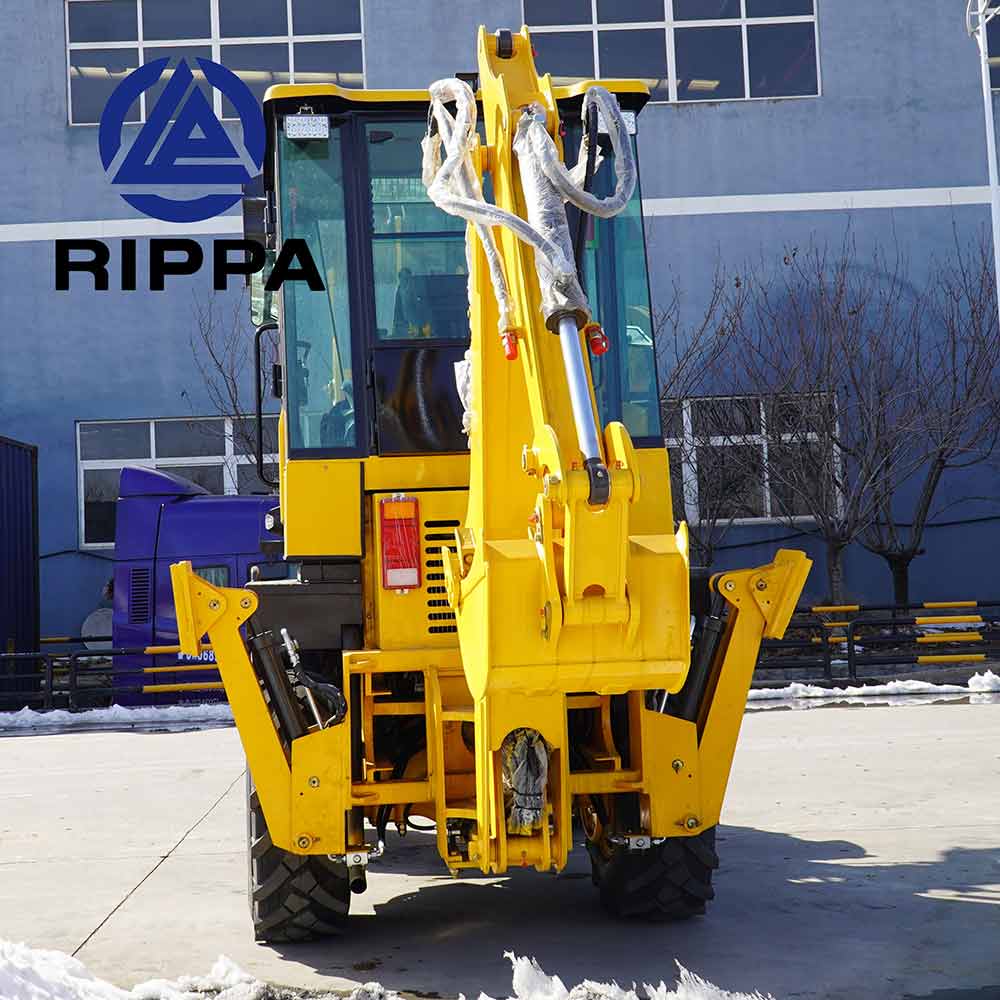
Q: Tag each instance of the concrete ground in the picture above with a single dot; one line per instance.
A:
(860, 859)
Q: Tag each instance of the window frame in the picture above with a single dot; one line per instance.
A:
(230, 460)
(215, 41)
(687, 446)
(669, 25)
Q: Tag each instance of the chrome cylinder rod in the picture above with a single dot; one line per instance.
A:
(579, 389)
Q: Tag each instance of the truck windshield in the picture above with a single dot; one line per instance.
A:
(614, 272)
(317, 325)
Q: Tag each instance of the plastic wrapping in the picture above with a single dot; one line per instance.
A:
(525, 760)
(463, 382)
(569, 182)
(557, 279)
(452, 182)
(578, 173)
(453, 185)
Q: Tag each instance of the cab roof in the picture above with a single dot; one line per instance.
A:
(632, 94)
(328, 98)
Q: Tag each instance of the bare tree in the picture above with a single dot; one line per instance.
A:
(822, 342)
(955, 369)
(826, 389)
(222, 348)
(687, 351)
(706, 493)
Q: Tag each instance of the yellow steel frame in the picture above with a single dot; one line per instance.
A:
(559, 606)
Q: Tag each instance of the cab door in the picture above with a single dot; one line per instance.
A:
(418, 306)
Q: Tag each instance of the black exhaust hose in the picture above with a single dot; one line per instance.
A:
(267, 648)
(687, 702)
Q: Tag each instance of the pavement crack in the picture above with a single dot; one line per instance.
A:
(194, 826)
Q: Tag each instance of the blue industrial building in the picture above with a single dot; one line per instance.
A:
(774, 123)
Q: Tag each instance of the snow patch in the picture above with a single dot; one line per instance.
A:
(532, 983)
(984, 683)
(117, 715)
(977, 684)
(34, 974)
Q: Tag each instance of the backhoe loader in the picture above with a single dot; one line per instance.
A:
(490, 634)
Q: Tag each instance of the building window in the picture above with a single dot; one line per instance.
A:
(264, 42)
(214, 452)
(727, 455)
(684, 50)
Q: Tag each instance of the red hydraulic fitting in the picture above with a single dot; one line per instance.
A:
(509, 340)
(597, 339)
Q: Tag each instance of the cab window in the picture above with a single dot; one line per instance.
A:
(418, 251)
(317, 325)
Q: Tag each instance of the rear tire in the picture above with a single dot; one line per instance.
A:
(670, 881)
(292, 897)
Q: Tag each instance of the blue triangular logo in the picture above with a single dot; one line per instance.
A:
(148, 163)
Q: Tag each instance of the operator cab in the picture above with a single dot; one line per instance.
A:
(368, 364)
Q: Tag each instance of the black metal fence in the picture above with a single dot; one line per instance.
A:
(823, 642)
(87, 678)
(854, 640)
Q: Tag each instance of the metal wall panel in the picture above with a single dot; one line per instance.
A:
(19, 590)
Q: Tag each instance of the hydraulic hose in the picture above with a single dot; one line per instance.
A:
(547, 156)
(590, 138)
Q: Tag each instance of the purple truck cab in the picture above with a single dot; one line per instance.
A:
(162, 519)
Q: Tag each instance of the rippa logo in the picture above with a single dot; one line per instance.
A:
(183, 143)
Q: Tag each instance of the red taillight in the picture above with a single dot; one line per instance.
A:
(399, 520)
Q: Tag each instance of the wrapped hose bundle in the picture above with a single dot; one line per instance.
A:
(453, 185)
(450, 149)
(524, 755)
(548, 185)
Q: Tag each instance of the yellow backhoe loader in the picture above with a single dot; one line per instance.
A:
(489, 636)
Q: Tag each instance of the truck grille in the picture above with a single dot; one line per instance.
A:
(139, 596)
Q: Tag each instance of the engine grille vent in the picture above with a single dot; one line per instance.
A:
(438, 535)
(139, 597)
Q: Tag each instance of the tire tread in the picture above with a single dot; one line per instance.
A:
(670, 881)
(292, 897)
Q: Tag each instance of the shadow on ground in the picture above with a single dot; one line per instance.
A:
(794, 916)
